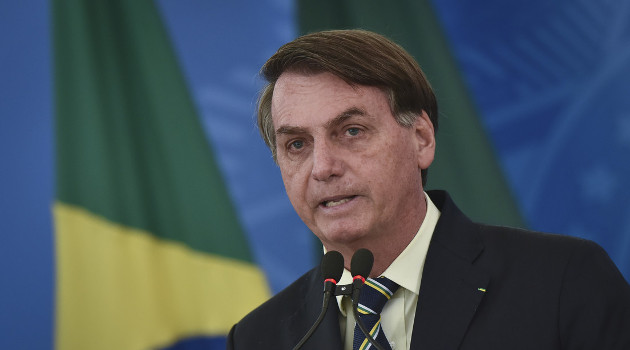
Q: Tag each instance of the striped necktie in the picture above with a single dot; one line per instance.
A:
(374, 294)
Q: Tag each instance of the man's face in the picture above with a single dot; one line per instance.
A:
(350, 170)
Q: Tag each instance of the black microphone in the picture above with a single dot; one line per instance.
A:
(332, 269)
(360, 267)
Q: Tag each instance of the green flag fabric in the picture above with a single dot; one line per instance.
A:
(146, 232)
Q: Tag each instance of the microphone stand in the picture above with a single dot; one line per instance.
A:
(332, 269)
(329, 286)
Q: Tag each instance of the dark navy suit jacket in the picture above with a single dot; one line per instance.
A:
(483, 287)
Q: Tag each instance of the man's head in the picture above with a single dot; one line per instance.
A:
(347, 115)
(359, 58)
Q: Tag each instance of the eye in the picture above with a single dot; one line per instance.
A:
(353, 131)
(296, 144)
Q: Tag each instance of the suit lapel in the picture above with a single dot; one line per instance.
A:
(452, 286)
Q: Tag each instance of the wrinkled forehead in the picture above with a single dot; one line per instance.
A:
(296, 93)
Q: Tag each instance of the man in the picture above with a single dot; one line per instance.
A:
(350, 120)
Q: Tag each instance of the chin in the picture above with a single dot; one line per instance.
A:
(343, 237)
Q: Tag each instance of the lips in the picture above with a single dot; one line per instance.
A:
(333, 202)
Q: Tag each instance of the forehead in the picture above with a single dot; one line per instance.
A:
(302, 98)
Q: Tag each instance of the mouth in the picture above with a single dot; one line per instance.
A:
(336, 201)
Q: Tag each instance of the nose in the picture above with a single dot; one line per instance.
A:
(327, 163)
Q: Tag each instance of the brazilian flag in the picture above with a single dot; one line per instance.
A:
(149, 249)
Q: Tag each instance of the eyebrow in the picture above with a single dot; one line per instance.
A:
(339, 119)
(345, 115)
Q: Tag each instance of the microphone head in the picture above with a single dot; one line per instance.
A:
(332, 265)
(361, 263)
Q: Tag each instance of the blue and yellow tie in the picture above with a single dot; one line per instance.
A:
(374, 294)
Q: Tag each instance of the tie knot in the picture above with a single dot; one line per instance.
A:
(375, 293)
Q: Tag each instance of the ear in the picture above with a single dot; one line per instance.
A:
(425, 140)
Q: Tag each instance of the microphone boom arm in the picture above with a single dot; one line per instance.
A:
(328, 291)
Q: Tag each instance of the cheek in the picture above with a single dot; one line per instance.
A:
(294, 195)
(288, 169)
(294, 184)
(394, 154)
(400, 165)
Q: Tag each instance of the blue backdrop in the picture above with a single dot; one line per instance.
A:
(552, 82)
